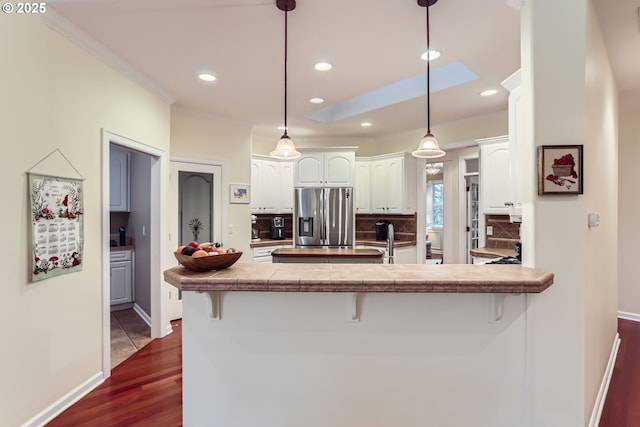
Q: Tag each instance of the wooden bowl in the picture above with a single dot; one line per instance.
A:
(207, 263)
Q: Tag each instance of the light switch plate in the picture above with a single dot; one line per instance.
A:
(594, 220)
(489, 230)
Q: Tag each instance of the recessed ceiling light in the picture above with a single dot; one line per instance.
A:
(365, 124)
(323, 66)
(433, 54)
(316, 100)
(207, 77)
(488, 92)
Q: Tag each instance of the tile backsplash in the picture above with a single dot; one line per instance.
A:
(263, 225)
(505, 233)
(404, 226)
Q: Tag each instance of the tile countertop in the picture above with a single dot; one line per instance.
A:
(391, 278)
(493, 252)
(376, 243)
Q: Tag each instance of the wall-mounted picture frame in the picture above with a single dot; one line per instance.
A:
(239, 193)
(560, 169)
(57, 232)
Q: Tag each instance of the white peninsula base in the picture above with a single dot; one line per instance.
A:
(289, 359)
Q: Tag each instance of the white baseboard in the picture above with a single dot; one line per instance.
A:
(629, 316)
(65, 401)
(144, 316)
(604, 386)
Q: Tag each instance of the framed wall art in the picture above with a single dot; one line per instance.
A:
(239, 193)
(560, 169)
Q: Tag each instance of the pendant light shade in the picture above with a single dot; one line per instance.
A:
(285, 149)
(428, 147)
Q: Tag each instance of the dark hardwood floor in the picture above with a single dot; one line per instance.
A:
(622, 405)
(146, 389)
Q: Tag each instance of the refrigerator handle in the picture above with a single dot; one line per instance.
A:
(323, 230)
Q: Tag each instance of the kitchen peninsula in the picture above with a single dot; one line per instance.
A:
(358, 345)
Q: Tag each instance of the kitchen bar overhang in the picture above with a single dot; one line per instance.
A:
(390, 278)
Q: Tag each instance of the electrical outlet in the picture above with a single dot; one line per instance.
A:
(489, 230)
(230, 228)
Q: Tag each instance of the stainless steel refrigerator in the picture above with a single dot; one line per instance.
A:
(323, 217)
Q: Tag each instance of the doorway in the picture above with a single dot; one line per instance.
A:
(196, 212)
(473, 211)
(435, 211)
(160, 326)
(469, 212)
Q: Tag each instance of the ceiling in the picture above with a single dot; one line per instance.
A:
(371, 44)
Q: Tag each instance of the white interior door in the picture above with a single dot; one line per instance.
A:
(195, 197)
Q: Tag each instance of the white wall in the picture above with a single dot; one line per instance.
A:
(601, 196)
(569, 98)
(56, 96)
(628, 214)
(208, 139)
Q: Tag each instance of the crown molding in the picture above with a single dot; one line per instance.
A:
(66, 28)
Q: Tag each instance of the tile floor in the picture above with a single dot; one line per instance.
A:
(129, 333)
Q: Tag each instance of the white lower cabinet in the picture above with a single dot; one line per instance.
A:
(122, 277)
(263, 254)
(482, 260)
(404, 255)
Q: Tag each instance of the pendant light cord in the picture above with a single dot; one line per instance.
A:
(428, 75)
(286, 13)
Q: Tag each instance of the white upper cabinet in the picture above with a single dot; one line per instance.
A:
(339, 169)
(286, 186)
(495, 187)
(271, 186)
(363, 186)
(325, 168)
(118, 179)
(393, 184)
(512, 84)
(309, 170)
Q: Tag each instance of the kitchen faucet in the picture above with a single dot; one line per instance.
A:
(390, 243)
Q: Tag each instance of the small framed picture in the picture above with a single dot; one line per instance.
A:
(238, 193)
(560, 169)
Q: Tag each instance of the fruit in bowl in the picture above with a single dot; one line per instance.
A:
(206, 256)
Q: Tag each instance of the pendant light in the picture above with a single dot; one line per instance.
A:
(433, 168)
(285, 148)
(428, 147)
